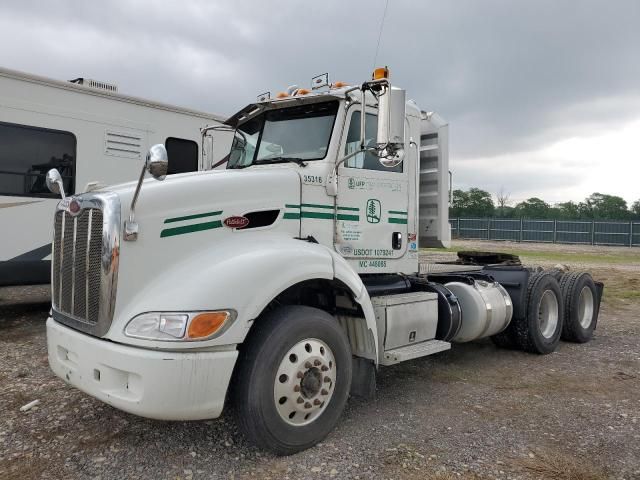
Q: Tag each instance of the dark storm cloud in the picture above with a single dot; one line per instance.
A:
(509, 76)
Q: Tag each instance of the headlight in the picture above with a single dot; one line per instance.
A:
(179, 326)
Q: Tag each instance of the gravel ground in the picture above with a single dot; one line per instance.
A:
(473, 412)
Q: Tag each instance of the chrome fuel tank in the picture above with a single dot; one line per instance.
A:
(486, 309)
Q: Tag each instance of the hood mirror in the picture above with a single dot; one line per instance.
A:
(158, 162)
(54, 182)
(157, 165)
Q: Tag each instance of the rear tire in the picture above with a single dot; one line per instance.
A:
(293, 380)
(580, 306)
(540, 330)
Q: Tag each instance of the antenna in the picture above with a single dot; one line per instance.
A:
(384, 14)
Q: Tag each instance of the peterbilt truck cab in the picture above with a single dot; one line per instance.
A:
(281, 283)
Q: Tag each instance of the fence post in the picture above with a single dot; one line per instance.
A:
(555, 230)
(488, 229)
(593, 232)
(631, 233)
(458, 229)
(520, 229)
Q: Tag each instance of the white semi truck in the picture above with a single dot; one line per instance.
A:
(282, 283)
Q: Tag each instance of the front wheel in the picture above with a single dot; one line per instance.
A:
(293, 380)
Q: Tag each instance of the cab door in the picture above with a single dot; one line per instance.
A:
(372, 202)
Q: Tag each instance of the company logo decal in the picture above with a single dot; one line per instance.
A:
(374, 210)
(71, 206)
(236, 222)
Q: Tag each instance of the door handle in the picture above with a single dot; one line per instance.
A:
(396, 240)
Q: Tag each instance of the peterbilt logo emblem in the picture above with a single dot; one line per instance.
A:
(236, 222)
(71, 206)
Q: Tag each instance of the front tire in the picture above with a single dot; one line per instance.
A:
(293, 380)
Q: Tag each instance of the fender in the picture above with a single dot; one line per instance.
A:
(348, 276)
(234, 274)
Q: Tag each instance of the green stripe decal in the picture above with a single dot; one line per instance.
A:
(191, 217)
(291, 206)
(291, 216)
(401, 221)
(198, 227)
(315, 205)
(351, 209)
(355, 218)
(397, 212)
(326, 216)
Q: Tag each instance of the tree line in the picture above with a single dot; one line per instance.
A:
(479, 203)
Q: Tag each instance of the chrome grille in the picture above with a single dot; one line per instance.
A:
(76, 271)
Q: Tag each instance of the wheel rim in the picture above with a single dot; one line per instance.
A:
(304, 382)
(585, 307)
(548, 314)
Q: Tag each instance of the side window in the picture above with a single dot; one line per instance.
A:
(183, 155)
(28, 153)
(366, 161)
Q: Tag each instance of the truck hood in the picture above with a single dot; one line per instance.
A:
(235, 192)
(183, 216)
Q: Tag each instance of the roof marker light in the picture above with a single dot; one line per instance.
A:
(380, 73)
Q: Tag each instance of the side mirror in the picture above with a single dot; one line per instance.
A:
(391, 120)
(157, 162)
(54, 182)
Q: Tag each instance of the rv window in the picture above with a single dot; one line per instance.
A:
(366, 161)
(28, 153)
(183, 155)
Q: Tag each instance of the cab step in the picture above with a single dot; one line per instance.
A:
(414, 350)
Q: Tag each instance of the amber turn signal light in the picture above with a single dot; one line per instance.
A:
(206, 324)
(380, 73)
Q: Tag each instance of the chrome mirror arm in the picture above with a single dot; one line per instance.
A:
(157, 163)
(332, 178)
(130, 225)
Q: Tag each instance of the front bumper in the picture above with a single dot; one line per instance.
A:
(149, 383)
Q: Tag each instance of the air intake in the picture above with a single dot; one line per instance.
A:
(88, 82)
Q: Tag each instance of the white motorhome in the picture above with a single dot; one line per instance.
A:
(89, 132)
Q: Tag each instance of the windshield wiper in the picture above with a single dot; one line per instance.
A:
(296, 160)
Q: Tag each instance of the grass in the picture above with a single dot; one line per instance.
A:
(604, 257)
(559, 466)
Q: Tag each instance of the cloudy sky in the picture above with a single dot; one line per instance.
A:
(543, 97)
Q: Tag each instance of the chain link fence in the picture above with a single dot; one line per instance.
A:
(588, 232)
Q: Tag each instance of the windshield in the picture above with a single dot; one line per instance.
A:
(296, 133)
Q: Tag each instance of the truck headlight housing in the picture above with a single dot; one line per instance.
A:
(179, 326)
